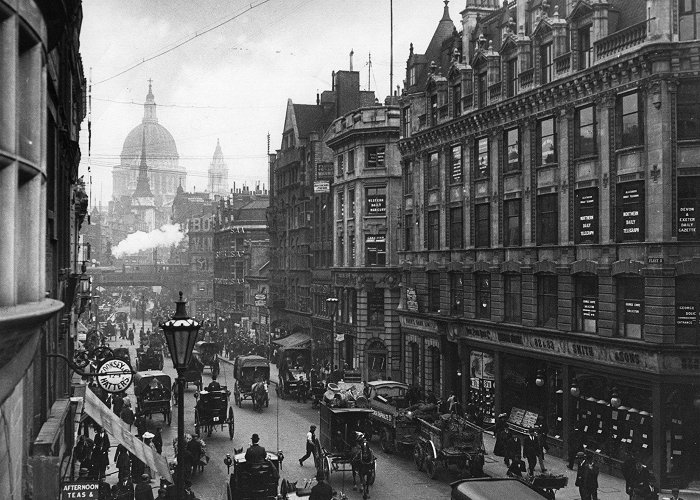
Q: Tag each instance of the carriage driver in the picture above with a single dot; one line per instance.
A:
(213, 385)
(255, 453)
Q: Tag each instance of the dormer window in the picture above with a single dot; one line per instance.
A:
(482, 88)
(546, 62)
(585, 49)
(412, 76)
(433, 109)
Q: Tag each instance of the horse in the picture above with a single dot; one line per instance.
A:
(260, 397)
(363, 466)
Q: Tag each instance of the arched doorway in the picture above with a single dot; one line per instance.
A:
(375, 353)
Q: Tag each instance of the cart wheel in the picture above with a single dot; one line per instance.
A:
(230, 423)
(431, 468)
(418, 457)
(385, 441)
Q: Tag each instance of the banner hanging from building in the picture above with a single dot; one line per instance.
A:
(116, 428)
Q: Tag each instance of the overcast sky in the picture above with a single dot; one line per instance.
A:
(232, 82)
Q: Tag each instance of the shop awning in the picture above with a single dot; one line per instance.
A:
(116, 428)
(294, 341)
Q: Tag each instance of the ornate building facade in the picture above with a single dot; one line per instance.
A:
(300, 215)
(551, 187)
(366, 196)
(241, 250)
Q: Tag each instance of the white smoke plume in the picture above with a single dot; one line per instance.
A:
(167, 235)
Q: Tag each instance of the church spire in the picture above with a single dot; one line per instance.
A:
(143, 188)
(149, 107)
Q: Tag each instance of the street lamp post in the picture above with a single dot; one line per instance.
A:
(332, 303)
(181, 335)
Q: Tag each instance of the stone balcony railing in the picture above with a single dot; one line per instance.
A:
(526, 78)
(621, 40)
(562, 63)
(495, 91)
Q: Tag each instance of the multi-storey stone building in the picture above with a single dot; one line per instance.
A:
(551, 186)
(43, 204)
(366, 204)
(300, 215)
(241, 249)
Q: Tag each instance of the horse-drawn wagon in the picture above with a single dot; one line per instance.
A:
(152, 391)
(253, 481)
(342, 442)
(450, 440)
(213, 409)
(207, 353)
(252, 374)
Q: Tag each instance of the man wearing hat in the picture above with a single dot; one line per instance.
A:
(256, 453)
(310, 446)
(322, 490)
(582, 476)
(143, 490)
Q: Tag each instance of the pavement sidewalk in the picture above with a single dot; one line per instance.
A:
(609, 487)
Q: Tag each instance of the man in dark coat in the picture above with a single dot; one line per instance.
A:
(123, 490)
(592, 478)
(531, 450)
(117, 403)
(575, 445)
(321, 490)
(123, 461)
(582, 476)
(499, 448)
(512, 447)
(143, 490)
(256, 453)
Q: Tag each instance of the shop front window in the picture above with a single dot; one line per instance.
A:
(630, 307)
(376, 360)
(613, 432)
(482, 385)
(415, 364)
(586, 303)
(375, 307)
(682, 428)
(435, 370)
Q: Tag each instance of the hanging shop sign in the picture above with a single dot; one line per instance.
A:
(687, 220)
(322, 187)
(424, 325)
(589, 308)
(82, 490)
(632, 212)
(324, 170)
(639, 360)
(587, 216)
(456, 164)
(411, 299)
(686, 315)
(260, 299)
(376, 204)
(114, 375)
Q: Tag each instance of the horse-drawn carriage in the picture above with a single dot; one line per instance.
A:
(213, 409)
(152, 391)
(252, 374)
(293, 382)
(208, 354)
(122, 353)
(193, 374)
(389, 421)
(340, 449)
(450, 440)
(149, 358)
(254, 481)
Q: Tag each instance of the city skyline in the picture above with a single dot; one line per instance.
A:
(201, 95)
